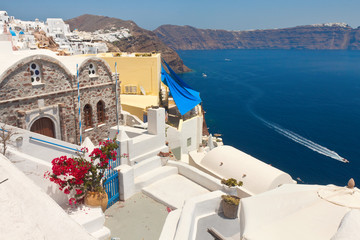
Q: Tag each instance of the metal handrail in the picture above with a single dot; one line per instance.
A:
(55, 144)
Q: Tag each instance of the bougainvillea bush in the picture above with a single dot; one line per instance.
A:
(77, 175)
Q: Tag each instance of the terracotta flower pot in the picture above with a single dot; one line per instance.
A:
(97, 199)
(230, 210)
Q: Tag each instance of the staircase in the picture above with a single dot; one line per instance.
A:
(91, 218)
(164, 183)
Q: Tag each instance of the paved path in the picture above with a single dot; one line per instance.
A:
(138, 218)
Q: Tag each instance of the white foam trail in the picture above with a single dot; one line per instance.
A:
(303, 141)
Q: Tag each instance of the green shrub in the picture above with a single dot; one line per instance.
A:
(233, 200)
(231, 182)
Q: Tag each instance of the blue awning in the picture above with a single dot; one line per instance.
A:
(12, 33)
(184, 96)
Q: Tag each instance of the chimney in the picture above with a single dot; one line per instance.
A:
(156, 121)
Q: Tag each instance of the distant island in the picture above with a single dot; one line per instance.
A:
(333, 36)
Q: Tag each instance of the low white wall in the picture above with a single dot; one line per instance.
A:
(197, 175)
(34, 169)
(146, 143)
(193, 209)
(34, 158)
(38, 149)
(126, 181)
(28, 213)
(169, 228)
(206, 180)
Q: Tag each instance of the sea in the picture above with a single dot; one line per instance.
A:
(297, 110)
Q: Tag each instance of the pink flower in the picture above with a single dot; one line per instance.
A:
(66, 191)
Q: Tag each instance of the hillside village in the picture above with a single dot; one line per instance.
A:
(63, 92)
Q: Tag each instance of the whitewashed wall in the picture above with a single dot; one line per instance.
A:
(189, 129)
(34, 157)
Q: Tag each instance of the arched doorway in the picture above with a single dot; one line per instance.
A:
(44, 126)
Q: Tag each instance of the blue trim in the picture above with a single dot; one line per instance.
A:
(4, 130)
(40, 140)
(112, 189)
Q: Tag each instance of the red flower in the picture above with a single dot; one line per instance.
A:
(76, 172)
(78, 191)
(72, 201)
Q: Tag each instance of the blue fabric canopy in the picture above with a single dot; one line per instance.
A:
(184, 96)
(181, 82)
(12, 33)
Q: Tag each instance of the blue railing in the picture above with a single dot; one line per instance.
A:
(112, 189)
(55, 144)
(3, 130)
(113, 164)
(111, 179)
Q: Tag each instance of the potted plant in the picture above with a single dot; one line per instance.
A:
(229, 185)
(230, 204)
(82, 178)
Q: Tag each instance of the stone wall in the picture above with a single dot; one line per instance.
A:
(22, 102)
(100, 87)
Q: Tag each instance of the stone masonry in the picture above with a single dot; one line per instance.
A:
(22, 102)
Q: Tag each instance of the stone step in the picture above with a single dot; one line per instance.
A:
(153, 176)
(102, 234)
(148, 155)
(146, 166)
(174, 190)
(91, 218)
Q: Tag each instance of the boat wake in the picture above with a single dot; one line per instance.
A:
(287, 133)
(303, 141)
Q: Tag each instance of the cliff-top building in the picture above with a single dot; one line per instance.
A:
(38, 92)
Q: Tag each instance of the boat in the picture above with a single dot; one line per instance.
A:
(345, 160)
(204, 75)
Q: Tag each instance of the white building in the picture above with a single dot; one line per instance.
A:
(56, 27)
(4, 17)
(71, 43)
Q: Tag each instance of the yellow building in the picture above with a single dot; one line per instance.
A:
(139, 74)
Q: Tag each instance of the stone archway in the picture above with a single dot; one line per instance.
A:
(44, 126)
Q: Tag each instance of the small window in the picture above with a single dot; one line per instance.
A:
(92, 70)
(35, 73)
(189, 142)
(87, 116)
(100, 107)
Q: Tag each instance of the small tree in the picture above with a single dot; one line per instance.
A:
(5, 136)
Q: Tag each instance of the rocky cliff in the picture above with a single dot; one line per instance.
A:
(320, 36)
(141, 40)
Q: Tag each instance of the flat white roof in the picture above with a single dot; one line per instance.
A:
(10, 58)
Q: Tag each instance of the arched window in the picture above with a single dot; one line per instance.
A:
(100, 107)
(87, 116)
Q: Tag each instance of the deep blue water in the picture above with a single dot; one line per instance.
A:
(270, 103)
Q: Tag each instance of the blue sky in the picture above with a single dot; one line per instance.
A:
(220, 14)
